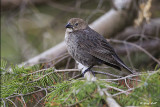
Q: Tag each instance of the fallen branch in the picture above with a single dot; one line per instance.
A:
(52, 53)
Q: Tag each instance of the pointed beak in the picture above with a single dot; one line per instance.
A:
(69, 26)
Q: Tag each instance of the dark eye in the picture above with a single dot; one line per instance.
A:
(76, 24)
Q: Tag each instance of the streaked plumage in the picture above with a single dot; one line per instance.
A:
(89, 47)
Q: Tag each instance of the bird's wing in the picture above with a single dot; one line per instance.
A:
(97, 46)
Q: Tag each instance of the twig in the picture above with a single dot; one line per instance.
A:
(115, 88)
(41, 98)
(68, 62)
(132, 75)
(4, 103)
(39, 71)
(40, 77)
(71, 105)
(129, 58)
(58, 57)
(23, 101)
(67, 70)
(11, 102)
(124, 92)
(67, 98)
(99, 72)
(60, 60)
(56, 71)
(76, 77)
(95, 11)
(135, 45)
(122, 78)
(28, 93)
(126, 83)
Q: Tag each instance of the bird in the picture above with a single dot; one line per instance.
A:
(89, 48)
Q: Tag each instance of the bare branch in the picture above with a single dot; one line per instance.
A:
(4, 103)
(55, 71)
(41, 98)
(19, 95)
(127, 83)
(99, 72)
(137, 46)
(131, 75)
(117, 89)
(72, 105)
(110, 101)
(24, 103)
(124, 92)
(11, 102)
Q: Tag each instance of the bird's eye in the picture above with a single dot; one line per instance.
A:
(76, 24)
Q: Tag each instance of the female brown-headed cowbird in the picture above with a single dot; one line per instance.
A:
(90, 48)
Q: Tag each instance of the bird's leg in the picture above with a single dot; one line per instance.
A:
(85, 71)
(92, 72)
(88, 69)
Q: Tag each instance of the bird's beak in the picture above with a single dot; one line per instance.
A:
(69, 26)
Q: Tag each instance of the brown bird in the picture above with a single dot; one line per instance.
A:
(90, 48)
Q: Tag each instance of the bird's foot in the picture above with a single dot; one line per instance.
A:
(87, 71)
(84, 72)
(93, 73)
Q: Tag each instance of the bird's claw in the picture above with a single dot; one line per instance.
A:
(87, 71)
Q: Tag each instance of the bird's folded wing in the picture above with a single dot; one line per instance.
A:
(98, 47)
(97, 51)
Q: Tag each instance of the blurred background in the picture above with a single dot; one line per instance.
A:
(30, 27)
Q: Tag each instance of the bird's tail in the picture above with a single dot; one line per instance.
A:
(122, 64)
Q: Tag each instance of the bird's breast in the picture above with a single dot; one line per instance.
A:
(71, 44)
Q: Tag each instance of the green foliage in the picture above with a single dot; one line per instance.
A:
(146, 94)
(76, 92)
(27, 80)
(3, 66)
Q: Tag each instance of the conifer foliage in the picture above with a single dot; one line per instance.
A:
(35, 87)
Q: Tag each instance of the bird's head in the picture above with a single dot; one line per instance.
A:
(76, 24)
